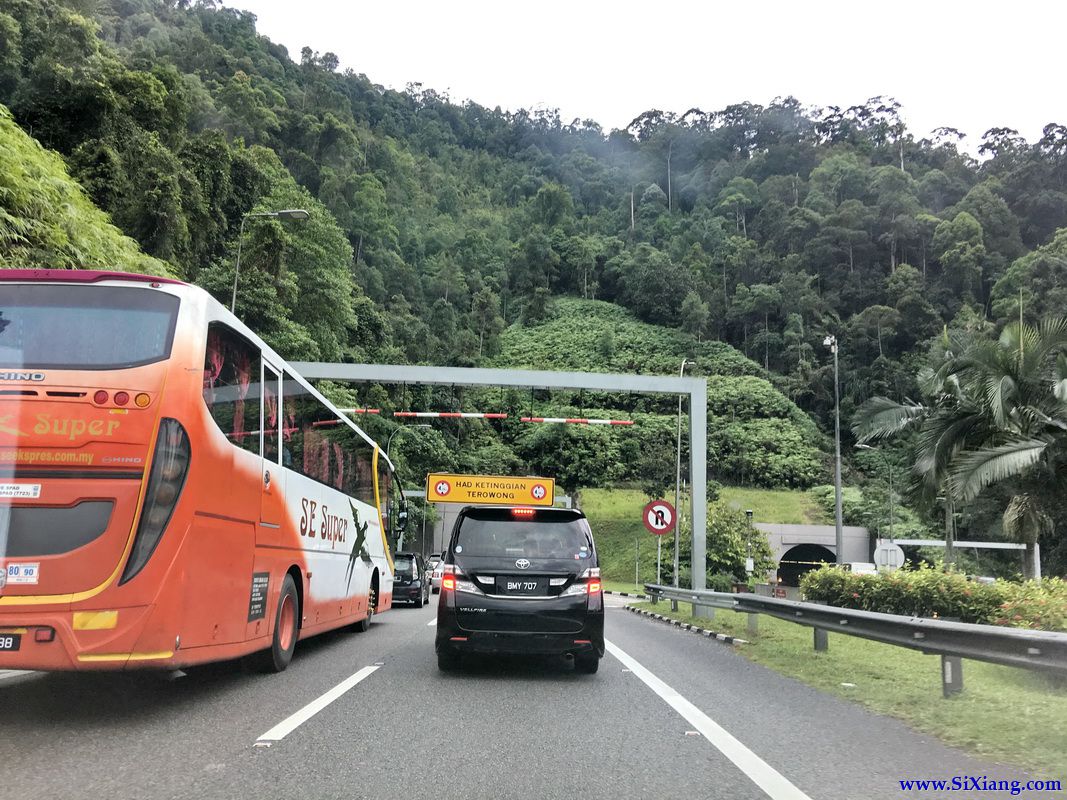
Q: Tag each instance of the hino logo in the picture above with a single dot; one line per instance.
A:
(21, 376)
(523, 563)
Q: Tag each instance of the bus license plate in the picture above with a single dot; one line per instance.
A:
(10, 641)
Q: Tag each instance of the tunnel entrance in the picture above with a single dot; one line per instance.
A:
(802, 558)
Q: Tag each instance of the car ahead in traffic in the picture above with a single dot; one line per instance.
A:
(521, 580)
(411, 579)
(435, 576)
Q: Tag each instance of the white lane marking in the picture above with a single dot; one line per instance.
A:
(13, 673)
(766, 777)
(291, 723)
(431, 622)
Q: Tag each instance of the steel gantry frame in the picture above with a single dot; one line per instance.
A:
(696, 388)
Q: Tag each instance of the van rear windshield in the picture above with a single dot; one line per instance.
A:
(84, 327)
(521, 538)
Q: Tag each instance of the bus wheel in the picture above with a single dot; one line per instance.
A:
(364, 624)
(286, 630)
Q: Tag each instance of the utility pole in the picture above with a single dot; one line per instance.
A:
(678, 479)
(839, 530)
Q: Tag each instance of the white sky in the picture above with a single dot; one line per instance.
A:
(969, 65)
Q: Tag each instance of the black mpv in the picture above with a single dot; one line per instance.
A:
(521, 580)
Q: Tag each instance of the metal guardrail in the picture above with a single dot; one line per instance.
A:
(1013, 647)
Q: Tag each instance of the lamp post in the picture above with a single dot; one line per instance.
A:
(388, 444)
(889, 471)
(678, 478)
(396, 430)
(284, 213)
(839, 530)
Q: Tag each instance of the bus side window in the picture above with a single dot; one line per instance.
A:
(308, 425)
(232, 386)
(270, 414)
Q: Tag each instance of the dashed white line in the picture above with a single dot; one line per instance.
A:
(291, 723)
(432, 622)
(13, 673)
(766, 777)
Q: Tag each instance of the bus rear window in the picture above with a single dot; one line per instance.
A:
(84, 327)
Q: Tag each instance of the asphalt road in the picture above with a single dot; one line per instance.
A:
(669, 715)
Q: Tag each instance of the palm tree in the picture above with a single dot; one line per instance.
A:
(992, 411)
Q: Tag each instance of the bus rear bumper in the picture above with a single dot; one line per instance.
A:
(78, 640)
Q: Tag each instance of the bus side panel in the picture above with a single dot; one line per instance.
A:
(337, 537)
(216, 568)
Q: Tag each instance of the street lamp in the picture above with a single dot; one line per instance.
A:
(889, 470)
(678, 478)
(839, 530)
(284, 213)
(395, 431)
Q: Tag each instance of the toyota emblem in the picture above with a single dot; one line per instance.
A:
(522, 563)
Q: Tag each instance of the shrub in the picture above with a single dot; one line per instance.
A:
(923, 592)
(721, 582)
(1042, 606)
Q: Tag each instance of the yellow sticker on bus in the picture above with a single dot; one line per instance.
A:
(489, 490)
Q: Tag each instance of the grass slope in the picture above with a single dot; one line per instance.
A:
(615, 515)
(595, 336)
(756, 435)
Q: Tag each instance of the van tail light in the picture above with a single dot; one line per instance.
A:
(170, 465)
(448, 579)
(586, 583)
(524, 513)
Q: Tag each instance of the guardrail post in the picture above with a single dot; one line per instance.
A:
(951, 675)
(674, 604)
(706, 612)
(654, 597)
(822, 640)
(753, 624)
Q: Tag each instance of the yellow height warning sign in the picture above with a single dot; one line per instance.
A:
(495, 490)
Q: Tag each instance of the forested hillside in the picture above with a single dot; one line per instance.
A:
(446, 232)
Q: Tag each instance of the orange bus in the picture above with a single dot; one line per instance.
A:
(171, 491)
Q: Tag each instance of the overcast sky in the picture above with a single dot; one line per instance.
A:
(969, 65)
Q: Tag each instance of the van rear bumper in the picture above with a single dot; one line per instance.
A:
(520, 625)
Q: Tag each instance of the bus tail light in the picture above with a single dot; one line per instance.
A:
(121, 398)
(170, 464)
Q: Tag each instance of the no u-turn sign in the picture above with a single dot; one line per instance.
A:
(659, 517)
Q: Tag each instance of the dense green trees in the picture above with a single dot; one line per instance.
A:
(47, 221)
(436, 225)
